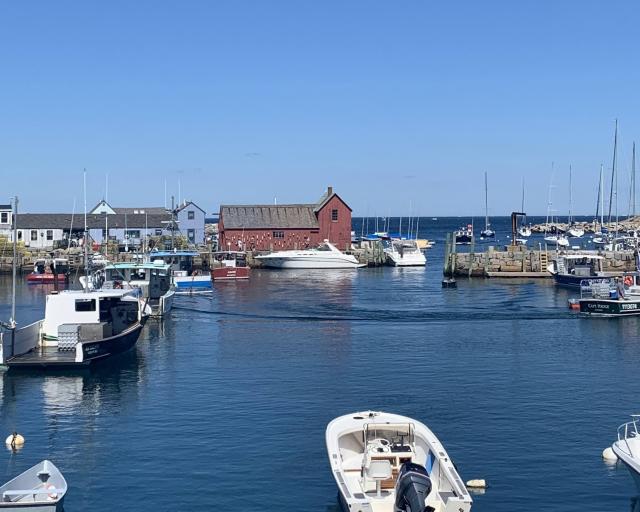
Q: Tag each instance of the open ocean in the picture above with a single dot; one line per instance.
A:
(223, 406)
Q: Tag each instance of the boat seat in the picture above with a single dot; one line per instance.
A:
(379, 470)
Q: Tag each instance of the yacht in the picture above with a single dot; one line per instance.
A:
(576, 231)
(405, 253)
(79, 328)
(524, 231)
(572, 270)
(149, 281)
(627, 447)
(384, 462)
(558, 240)
(326, 255)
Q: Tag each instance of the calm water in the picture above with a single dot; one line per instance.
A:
(224, 404)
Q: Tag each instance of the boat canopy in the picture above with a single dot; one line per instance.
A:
(138, 266)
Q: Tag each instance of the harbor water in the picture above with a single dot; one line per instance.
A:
(223, 405)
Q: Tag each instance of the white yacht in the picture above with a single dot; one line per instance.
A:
(559, 240)
(524, 231)
(627, 447)
(324, 256)
(384, 462)
(405, 253)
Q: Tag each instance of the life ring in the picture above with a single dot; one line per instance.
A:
(628, 280)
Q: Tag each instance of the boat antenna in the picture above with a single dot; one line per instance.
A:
(14, 264)
(86, 236)
(613, 170)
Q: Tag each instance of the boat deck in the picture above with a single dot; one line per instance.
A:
(44, 356)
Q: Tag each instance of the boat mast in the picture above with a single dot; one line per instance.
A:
(486, 203)
(613, 171)
(570, 197)
(601, 196)
(14, 264)
(632, 202)
(86, 236)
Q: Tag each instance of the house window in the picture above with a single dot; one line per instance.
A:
(334, 215)
(84, 305)
(191, 234)
(34, 235)
(49, 234)
(191, 215)
(278, 234)
(4, 218)
(20, 235)
(158, 232)
(132, 233)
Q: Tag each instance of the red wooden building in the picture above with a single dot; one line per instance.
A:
(262, 227)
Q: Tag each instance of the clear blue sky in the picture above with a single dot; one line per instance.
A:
(392, 103)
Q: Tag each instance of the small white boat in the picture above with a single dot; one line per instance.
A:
(576, 232)
(405, 253)
(384, 462)
(324, 256)
(627, 447)
(524, 231)
(559, 240)
(41, 488)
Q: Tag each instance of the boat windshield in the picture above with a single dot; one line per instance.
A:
(323, 247)
(395, 433)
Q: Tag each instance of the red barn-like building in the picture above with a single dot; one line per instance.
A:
(262, 227)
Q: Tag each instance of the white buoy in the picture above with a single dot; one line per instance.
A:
(478, 483)
(609, 454)
(14, 440)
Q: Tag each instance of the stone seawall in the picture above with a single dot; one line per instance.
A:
(517, 259)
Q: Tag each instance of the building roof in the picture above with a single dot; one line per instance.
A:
(188, 203)
(63, 221)
(301, 216)
(152, 210)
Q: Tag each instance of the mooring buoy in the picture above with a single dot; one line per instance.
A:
(478, 483)
(14, 440)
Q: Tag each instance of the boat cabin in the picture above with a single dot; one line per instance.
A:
(579, 265)
(152, 279)
(110, 312)
(180, 262)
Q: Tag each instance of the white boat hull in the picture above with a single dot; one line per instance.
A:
(308, 262)
(407, 260)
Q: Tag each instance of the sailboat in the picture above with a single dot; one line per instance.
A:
(487, 232)
(574, 230)
(524, 231)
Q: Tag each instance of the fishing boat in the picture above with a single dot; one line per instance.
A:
(149, 281)
(229, 266)
(571, 270)
(605, 298)
(184, 276)
(487, 232)
(41, 488)
(49, 270)
(627, 447)
(325, 256)
(404, 253)
(464, 235)
(79, 328)
(384, 462)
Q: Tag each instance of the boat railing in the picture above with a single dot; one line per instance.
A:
(597, 288)
(629, 430)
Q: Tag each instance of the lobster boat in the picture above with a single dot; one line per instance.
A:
(229, 266)
(49, 270)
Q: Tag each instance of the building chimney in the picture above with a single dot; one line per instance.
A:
(329, 191)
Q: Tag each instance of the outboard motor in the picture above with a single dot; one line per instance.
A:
(412, 488)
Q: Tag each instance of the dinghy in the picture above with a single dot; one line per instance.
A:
(385, 462)
(39, 489)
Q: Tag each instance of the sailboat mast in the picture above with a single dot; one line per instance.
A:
(601, 196)
(613, 170)
(14, 263)
(570, 197)
(86, 236)
(486, 203)
(633, 180)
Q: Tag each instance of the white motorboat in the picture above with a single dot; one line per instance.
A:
(324, 256)
(576, 232)
(559, 240)
(627, 447)
(384, 462)
(41, 488)
(405, 253)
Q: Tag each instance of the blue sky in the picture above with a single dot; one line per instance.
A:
(393, 103)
